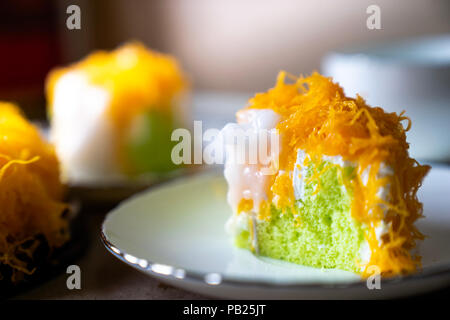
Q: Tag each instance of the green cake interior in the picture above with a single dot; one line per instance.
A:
(324, 235)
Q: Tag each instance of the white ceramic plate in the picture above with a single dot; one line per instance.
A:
(175, 233)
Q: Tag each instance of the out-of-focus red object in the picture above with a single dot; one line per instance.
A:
(29, 48)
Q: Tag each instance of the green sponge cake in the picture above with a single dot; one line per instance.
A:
(337, 188)
(326, 234)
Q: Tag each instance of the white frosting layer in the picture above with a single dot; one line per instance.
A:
(237, 223)
(82, 135)
(364, 251)
(384, 171)
(248, 181)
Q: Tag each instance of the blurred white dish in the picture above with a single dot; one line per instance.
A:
(176, 233)
(412, 75)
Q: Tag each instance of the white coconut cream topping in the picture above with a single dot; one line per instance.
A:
(248, 181)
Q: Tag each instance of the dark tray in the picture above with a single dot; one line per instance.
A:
(52, 265)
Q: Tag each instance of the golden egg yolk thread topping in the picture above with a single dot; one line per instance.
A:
(319, 119)
(30, 193)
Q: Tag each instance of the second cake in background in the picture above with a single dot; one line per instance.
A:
(112, 114)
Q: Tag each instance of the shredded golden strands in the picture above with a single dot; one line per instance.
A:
(30, 193)
(318, 118)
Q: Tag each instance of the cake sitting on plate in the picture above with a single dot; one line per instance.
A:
(340, 189)
(112, 114)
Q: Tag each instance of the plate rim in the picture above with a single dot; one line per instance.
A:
(176, 273)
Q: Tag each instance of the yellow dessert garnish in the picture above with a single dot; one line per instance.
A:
(30, 193)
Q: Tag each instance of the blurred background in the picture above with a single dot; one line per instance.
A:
(231, 48)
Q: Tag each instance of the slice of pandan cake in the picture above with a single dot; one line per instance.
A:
(340, 190)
